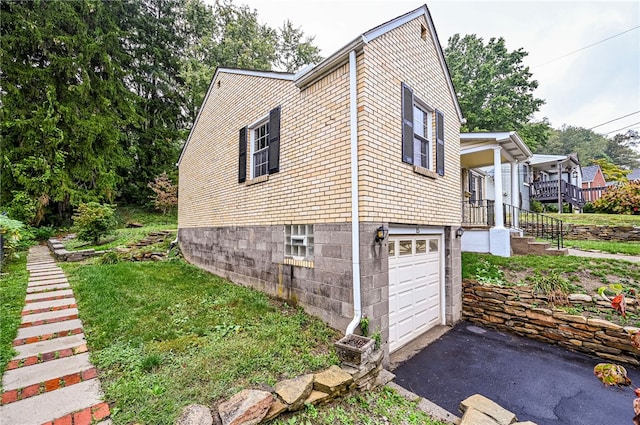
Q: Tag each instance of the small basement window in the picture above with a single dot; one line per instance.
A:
(298, 241)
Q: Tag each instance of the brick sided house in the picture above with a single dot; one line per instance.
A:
(594, 183)
(337, 187)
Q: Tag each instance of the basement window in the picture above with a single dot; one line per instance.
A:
(298, 241)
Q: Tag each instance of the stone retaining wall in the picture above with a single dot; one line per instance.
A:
(607, 233)
(514, 310)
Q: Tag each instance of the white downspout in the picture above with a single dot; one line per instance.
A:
(355, 219)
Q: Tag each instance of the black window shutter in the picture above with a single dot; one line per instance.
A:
(439, 143)
(274, 140)
(242, 157)
(407, 124)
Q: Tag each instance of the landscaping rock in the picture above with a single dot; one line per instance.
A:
(331, 381)
(491, 409)
(295, 391)
(476, 417)
(316, 397)
(580, 298)
(276, 408)
(195, 414)
(248, 407)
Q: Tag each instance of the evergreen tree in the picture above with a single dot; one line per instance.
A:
(63, 105)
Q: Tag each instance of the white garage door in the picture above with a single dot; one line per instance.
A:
(414, 287)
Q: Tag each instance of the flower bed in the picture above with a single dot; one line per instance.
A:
(516, 309)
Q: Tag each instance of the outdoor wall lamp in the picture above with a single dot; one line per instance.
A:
(381, 233)
(459, 232)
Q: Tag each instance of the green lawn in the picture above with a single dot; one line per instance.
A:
(13, 288)
(165, 335)
(381, 407)
(598, 219)
(627, 248)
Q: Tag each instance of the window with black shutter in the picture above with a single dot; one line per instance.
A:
(264, 147)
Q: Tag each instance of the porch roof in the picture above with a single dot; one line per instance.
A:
(476, 149)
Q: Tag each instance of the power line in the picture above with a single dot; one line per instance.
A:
(586, 47)
(626, 126)
(615, 119)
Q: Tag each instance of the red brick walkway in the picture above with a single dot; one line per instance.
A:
(51, 380)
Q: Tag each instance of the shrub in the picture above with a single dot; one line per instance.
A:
(12, 232)
(588, 208)
(42, 233)
(620, 199)
(536, 206)
(166, 193)
(93, 221)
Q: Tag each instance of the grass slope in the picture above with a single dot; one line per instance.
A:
(167, 334)
(13, 288)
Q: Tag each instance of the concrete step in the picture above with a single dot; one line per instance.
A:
(40, 373)
(47, 407)
(42, 306)
(49, 329)
(46, 288)
(49, 346)
(33, 277)
(45, 282)
(50, 295)
(49, 317)
(43, 268)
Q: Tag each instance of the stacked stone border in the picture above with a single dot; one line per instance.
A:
(600, 233)
(514, 309)
(259, 406)
(62, 254)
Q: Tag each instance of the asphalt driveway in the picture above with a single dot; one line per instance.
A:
(538, 382)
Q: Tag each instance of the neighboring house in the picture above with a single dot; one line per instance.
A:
(556, 179)
(634, 175)
(485, 193)
(337, 187)
(593, 183)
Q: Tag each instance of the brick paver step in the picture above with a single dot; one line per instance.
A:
(50, 295)
(49, 317)
(45, 288)
(42, 306)
(40, 373)
(53, 405)
(51, 328)
(49, 346)
(43, 269)
(44, 282)
(46, 275)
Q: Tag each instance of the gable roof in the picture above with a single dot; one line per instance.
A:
(589, 173)
(312, 73)
(634, 175)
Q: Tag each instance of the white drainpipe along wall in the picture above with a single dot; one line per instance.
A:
(355, 219)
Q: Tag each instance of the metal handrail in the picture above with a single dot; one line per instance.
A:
(478, 213)
(535, 224)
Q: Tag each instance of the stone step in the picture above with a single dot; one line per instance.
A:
(45, 282)
(47, 407)
(50, 295)
(43, 268)
(46, 276)
(46, 288)
(42, 306)
(49, 317)
(49, 346)
(55, 370)
(48, 329)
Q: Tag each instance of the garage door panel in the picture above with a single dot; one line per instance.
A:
(414, 291)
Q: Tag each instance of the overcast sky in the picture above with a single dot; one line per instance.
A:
(587, 88)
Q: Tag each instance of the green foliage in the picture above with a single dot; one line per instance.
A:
(599, 219)
(13, 286)
(377, 338)
(110, 257)
(570, 139)
(551, 284)
(12, 232)
(495, 88)
(612, 173)
(489, 274)
(588, 208)
(93, 221)
(613, 247)
(364, 325)
(622, 149)
(536, 206)
(292, 52)
(620, 199)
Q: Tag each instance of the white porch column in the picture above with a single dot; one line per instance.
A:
(515, 192)
(499, 238)
(497, 179)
